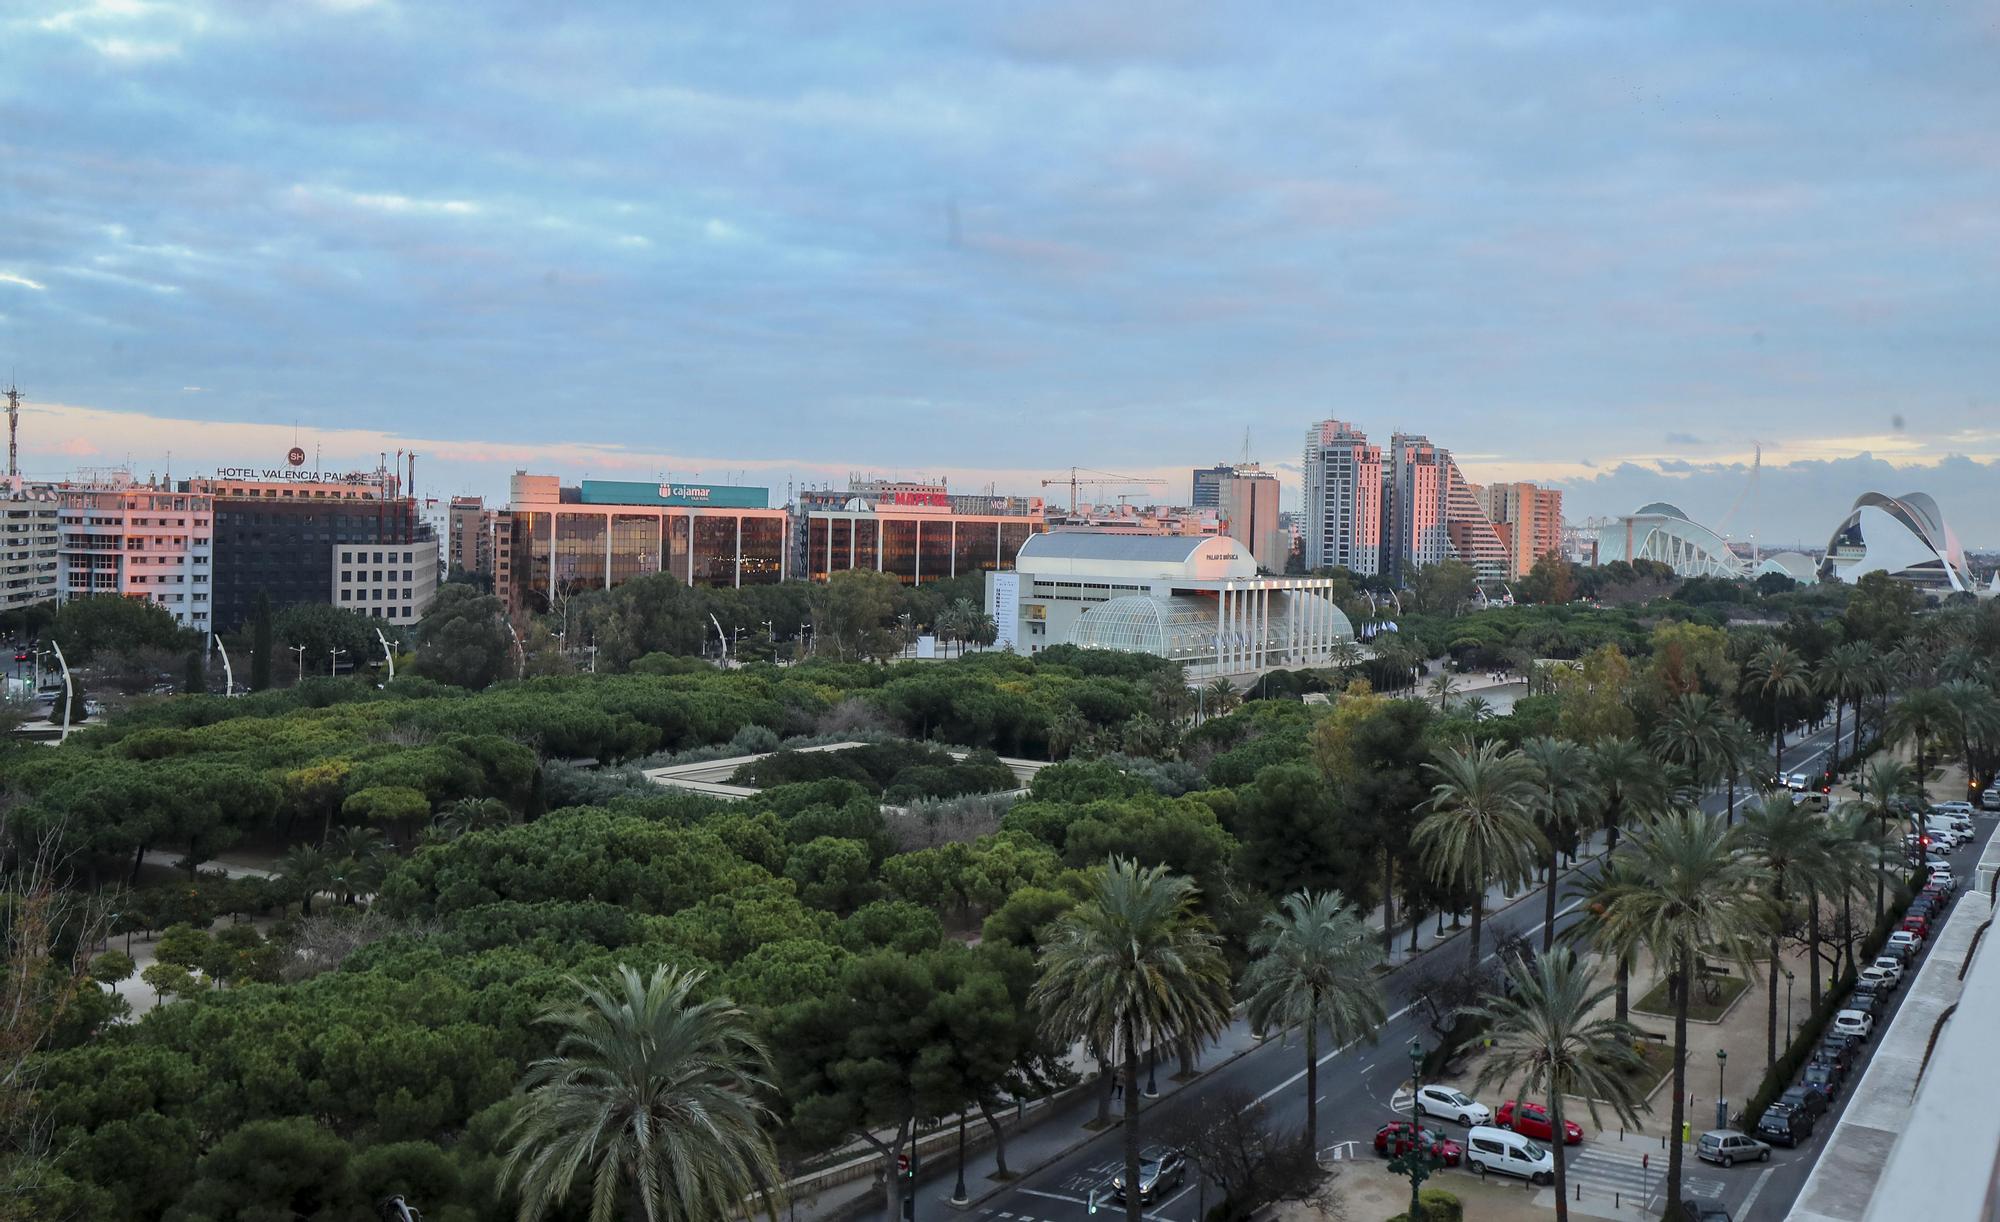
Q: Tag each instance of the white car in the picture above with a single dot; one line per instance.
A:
(1856, 1023)
(1453, 1105)
(1879, 978)
(1943, 879)
(1905, 941)
(1954, 808)
(1892, 965)
(1990, 800)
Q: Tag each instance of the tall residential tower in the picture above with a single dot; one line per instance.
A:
(1342, 510)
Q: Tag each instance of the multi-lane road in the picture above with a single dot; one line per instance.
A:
(1359, 1088)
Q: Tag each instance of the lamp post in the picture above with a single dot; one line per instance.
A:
(1721, 1096)
(1417, 1162)
(333, 661)
(1152, 1087)
(958, 1196)
(300, 650)
(1788, 1005)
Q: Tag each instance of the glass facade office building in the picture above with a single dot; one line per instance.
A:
(914, 548)
(576, 539)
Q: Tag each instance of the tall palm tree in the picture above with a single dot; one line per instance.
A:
(1741, 753)
(1133, 966)
(1786, 838)
(1689, 735)
(1975, 718)
(1778, 674)
(1873, 680)
(1475, 709)
(1595, 929)
(654, 1097)
(1314, 967)
(1699, 892)
(1541, 1032)
(473, 815)
(1964, 661)
(306, 868)
(1881, 781)
(1220, 696)
(1627, 780)
(1850, 845)
(1842, 674)
(356, 855)
(1442, 685)
(1918, 719)
(1479, 831)
(1562, 794)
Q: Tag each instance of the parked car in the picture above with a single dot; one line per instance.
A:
(1453, 1105)
(1943, 878)
(1990, 800)
(1727, 1147)
(1824, 1077)
(1784, 1125)
(1395, 1138)
(1858, 1023)
(1704, 1209)
(1905, 940)
(1917, 925)
(1890, 964)
(1161, 1170)
(1532, 1120)
(1505, 1151)
(1956, 808)
(1837, 1049)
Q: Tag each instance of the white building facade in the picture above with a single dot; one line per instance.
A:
(138, 541)
(388, 581)
(30, 548)
(1194, 600)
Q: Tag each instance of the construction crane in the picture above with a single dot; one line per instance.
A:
(1743, 494)
(1104, 478)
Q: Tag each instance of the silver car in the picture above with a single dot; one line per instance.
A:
(1727, 1147)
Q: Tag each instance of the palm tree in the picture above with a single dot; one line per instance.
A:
(1850, 846)
(1562, 792)
(1881, 781)
(1220, 696)
(1689, 735)
(356, 854)
(1442, 686)
(1133, 966)
(1478, 831)
(1786, 838)
(1345, 656)
(1595, 929)
(1698, 892)
(306, 868)
(1842, 674)
(1872, 680)
(1778, 674)
(1540, 1032)
(1740, 753)
(1975, 716)
(656, 1097)
(1476, 708)
(1314, 967)
(1918, 718)
(473, 815)
(1626, 778)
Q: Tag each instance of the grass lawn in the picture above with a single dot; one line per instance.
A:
(1727, 990)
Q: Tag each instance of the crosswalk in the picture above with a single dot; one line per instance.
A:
(1622, 1172)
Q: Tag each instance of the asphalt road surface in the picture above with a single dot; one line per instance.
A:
(1359, 1091)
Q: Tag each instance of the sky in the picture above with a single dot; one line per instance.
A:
(1616, 247)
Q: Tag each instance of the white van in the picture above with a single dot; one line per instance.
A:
(1505, 1151)
(1944, 828)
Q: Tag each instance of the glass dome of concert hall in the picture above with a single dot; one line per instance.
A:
(1183, 626)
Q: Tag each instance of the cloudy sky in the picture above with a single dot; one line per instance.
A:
(1614, 246)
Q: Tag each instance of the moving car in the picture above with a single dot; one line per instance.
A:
(1798, 781)
(1453, 1105)
(1532, 1120)
(1956, 808)
(1857, 1023)
(1990, 800)
(1394, 1139)
(1505, 1151)
(1727, 1147)
(1161, 1170)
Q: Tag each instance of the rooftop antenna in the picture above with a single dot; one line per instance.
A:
(1246, 445)
(13, 431)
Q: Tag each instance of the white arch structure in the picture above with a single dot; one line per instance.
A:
(1904, 536)
(1662, 532)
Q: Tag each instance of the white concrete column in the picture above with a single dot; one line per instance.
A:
(739, 551)
(1263, 625)
(607, 549)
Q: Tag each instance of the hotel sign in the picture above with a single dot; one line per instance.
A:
(288, 475)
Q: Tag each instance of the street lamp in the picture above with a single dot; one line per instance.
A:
(1152, 1087)
(1721, 1095)
(333, 661)
(1416, 1162)
(301, 651)
(958, 1196)
(1788, 1004)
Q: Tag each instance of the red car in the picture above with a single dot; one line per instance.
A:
(1917, 925)
(1532, 1120)
(1393, 1139)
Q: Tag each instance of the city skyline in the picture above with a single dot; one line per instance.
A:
(1606, 252)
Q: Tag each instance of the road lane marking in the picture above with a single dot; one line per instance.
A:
(1755, 1188)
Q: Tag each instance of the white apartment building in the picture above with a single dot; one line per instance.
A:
(138, 541)
(391, 581)
(29, 540)
(1341, 517)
